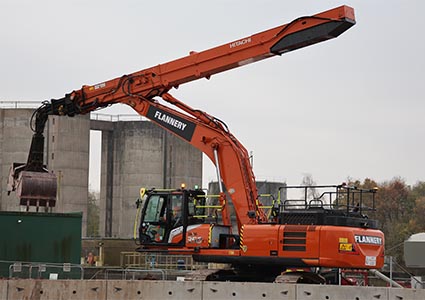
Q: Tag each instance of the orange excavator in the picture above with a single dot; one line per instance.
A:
(338, 238)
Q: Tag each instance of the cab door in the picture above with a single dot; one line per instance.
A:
(153, 222)
(162, 217)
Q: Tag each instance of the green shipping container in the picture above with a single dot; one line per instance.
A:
(39, 237)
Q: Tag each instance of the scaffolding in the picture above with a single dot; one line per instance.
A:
(159, 261)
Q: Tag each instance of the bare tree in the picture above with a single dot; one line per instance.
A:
(309, 182)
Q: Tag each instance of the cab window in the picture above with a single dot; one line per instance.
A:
(154, 209)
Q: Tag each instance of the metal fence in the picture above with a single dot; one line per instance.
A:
(116, 118)
(93, 116)
(19, 104)
(40, 270)
(135, 274)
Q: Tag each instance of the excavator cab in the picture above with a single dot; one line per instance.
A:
(167, 216)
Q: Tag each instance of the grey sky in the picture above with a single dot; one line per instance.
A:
(352, 106)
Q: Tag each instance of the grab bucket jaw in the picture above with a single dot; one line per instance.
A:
(33, 188)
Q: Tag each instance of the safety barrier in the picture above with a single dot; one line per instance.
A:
(195, 290)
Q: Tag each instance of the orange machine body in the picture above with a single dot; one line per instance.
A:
(293, 245)
(310, 235)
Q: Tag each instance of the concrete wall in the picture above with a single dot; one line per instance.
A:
(15, 140)
(67, 155)
(139, 154)
(195, 290)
